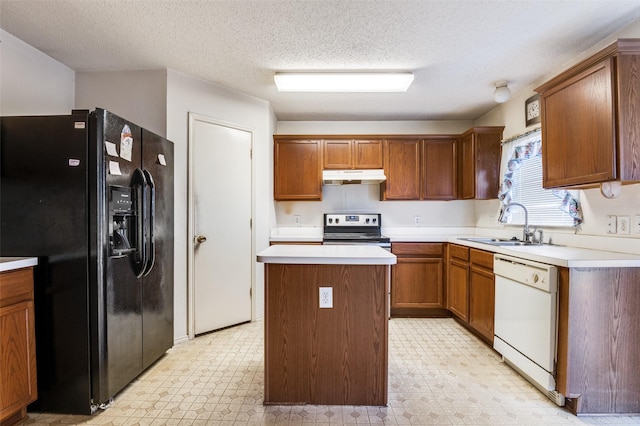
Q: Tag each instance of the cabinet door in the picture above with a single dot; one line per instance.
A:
(578, 129)
(297, 170)
(417, 283)
(17, 357)
(458, 289)
(367, 154)
(439, 168)
(481, 301)
(402, 168)
(479, 163)
(487, 162)
(467, 167)
(338, 154)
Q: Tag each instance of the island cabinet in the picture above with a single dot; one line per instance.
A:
(352, 154)
(598, 339)
(471, 289)
(417, 286)
(479, 163)
(590, 119)
(420, 169)
(18, 385)
(297, 169)
(326, 324)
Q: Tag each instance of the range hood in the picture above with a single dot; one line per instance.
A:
(339, 177)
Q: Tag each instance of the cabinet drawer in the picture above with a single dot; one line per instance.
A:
(424, 249)
(482, 258)
(16, 286)
(459, 252)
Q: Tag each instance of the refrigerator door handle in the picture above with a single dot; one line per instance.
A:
(150, 242)
(140, 258)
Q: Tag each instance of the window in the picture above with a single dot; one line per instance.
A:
(523, 184)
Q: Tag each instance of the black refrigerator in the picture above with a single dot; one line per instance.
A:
(90, 195)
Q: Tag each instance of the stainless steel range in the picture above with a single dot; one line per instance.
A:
(354, 229)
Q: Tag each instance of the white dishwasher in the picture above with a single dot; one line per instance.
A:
(525, 325)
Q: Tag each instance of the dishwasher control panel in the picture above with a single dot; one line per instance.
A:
(534, 274)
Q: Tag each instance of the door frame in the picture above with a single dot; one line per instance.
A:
(193, 118)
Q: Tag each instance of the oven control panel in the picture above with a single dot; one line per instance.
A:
(355, 220)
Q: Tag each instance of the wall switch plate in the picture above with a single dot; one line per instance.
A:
(416, 220)
(612, 227)
(326, 297)
(624, 225)
(636, 224)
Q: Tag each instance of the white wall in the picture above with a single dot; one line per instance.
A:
(366, 198)
(187, 94)
(32, 83)
(594, 206)
(138, 96)
(373, 127)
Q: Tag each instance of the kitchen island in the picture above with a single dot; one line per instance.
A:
(326, 330)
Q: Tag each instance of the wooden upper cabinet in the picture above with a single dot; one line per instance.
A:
(352, 154)
(297, 169)
(402, 169)
(439, 179)
(367, 154)
(420, 169)
(590, 120)
(338, 154)
(479, 163)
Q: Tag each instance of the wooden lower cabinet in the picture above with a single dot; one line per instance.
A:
(598, 340)
(458, 283)
(482, 293)
(18, 385)
(471, 289)
(417, 280)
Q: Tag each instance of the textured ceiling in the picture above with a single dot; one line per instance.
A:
(457, 49)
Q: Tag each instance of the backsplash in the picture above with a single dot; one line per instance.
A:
(481, 214)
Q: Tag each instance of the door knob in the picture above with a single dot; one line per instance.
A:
(201, 238)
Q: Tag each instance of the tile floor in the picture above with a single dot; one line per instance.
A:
(438, 374)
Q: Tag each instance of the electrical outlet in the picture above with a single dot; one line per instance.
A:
(298, 219)
(326, 297)
(416, 220)
(624, 225)
(612, 224)
(636, 224)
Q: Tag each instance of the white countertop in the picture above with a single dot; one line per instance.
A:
(326, 255)
(569, 257)
(558, 255)
(11, 263)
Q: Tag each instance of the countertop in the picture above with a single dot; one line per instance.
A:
(326, 255)
(558, 255)
(11, 263)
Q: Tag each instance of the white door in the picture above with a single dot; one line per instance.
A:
(221, 194)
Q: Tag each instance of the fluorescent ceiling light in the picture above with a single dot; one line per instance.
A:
(343, 81)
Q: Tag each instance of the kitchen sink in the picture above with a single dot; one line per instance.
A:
(498, 241)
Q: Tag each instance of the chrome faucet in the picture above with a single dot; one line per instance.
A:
(526, 234)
